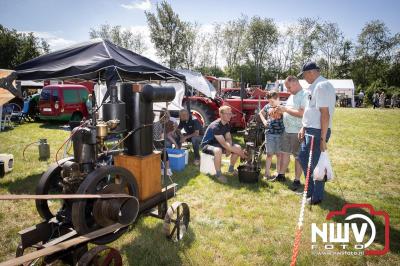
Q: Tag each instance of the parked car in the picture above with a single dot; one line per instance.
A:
(63, 102)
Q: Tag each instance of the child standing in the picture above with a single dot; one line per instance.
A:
(273, 122)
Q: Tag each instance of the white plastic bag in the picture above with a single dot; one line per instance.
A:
(323, 168)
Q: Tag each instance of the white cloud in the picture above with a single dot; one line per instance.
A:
(143, 5)
(55, 42)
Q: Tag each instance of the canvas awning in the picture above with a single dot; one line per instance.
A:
(94, 60)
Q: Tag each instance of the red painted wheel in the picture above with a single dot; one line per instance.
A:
(101, 255)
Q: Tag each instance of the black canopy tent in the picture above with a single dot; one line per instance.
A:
(95, 60)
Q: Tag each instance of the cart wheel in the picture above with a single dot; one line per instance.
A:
(50, 183)
(101, 255)
(178, 215)
(90, 215)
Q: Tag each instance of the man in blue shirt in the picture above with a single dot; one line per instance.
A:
(218, 140)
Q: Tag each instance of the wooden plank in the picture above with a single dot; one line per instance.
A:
(63, 196)
(61, 239)
(5, 95)
(62, 246)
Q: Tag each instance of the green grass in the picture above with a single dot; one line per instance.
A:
(234, 223)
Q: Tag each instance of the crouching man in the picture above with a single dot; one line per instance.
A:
(218, 140)
(192, 129)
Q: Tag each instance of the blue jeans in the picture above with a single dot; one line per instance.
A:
(315, 188)
(196, 141)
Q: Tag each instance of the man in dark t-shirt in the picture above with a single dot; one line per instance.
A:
(218, 140)
(192, 129)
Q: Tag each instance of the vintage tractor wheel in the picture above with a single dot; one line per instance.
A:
(176, 221)
(50, 183)
(202, 113)
(101, 255)
(90, 215)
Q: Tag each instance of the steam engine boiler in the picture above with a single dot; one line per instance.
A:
(121, 182)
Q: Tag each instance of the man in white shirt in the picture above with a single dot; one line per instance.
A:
(317, 122)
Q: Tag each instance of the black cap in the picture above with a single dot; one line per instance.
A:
(308, 66)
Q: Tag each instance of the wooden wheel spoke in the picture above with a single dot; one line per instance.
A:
(173, 230)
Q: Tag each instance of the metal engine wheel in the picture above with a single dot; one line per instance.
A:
(178, 215)
(101, 255)
(49, 183)
(87, 216)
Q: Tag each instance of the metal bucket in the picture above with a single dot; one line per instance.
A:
(248, 173)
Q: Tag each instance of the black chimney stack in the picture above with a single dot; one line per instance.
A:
(115, 109)
(139, 110)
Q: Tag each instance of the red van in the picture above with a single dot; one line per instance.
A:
(63, 102)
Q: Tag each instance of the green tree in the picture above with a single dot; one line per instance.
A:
(121, 37)
(205, 51)
(393, 74)
(329, 40)
(343, 69)
(191, 45)
(262, 36)
(16, 48)
(211, 71)
(306, 37)
(233, 40)
(28, 47)
(9, 44)
(374, 51)
(168, 34)
(45, 46)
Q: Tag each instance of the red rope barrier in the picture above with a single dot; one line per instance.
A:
(299, 228)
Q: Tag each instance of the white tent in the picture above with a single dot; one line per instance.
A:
(342, 86)
(195, 80)
(176, 104)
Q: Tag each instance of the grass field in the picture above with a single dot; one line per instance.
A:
(234, 223)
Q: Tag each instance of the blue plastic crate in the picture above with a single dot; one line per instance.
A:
(176, 159)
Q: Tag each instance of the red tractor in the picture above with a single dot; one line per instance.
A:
(206, 109)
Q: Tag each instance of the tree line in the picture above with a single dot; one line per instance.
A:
(259, 51)
(255, 49)
(18, 47)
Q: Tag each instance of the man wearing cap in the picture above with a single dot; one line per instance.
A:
(317, 122)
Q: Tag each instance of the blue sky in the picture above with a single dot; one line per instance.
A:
(63, 22)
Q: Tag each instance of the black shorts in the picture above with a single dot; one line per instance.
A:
(209, 149)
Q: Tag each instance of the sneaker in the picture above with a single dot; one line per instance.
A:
(196, 162)
(281, 177)
(234, 172)
(295, 185)
(222, 179)
(270, 178)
